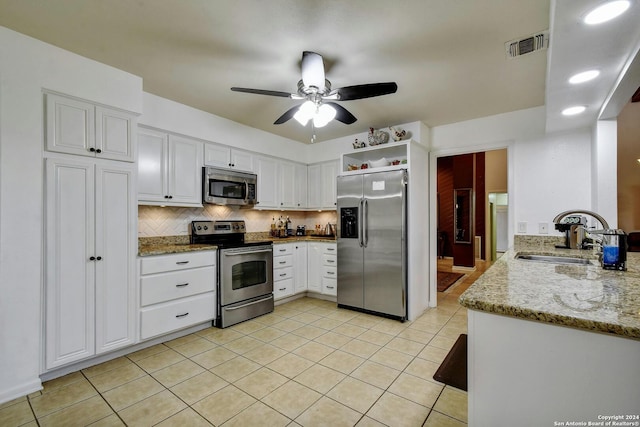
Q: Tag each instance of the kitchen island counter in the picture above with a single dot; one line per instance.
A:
(578, 296)
(550, 343)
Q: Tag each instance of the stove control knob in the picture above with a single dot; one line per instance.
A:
(199, 228)
(206, 228)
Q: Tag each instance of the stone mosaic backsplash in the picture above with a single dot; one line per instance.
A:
(174, 221)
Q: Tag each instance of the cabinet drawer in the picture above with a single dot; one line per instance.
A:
(330, 249)
(160, 263)
(283, 261)
(282, 273)
(282, 288)
(286, 249)
(329, 286)
(329, 272)
(155, 288)
(329, 259)
(163, 318)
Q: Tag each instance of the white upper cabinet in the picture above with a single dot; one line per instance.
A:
(82, 128)
(169, 169)
(300, 186)
(287, 184)
(222, 156)
(267, 191)
(322, 185)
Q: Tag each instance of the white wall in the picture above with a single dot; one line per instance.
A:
(165, 114)
(28, 66)
(552, 174)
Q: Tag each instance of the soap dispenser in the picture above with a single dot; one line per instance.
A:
(614, 250)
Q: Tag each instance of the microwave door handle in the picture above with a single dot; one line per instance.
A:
(246, 192)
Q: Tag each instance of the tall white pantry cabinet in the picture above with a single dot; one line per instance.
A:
(90, 240)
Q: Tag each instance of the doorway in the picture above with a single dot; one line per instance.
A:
(491, 220)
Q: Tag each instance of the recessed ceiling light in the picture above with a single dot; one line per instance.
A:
(585, 76)
(606, 12)
(572, 111)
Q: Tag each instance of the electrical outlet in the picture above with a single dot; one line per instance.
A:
(543, 228)
(522, 227)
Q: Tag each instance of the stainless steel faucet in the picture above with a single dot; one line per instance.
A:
(561, 215)
(575, 233)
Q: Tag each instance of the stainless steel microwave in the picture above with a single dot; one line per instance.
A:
(228, 187)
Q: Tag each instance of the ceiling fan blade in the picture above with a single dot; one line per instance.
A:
(342, 114)
(287, 115)
(263, 92)
(312, 69)
(349, 93)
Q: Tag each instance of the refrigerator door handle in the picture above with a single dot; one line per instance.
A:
(365, 225)
(360, 225)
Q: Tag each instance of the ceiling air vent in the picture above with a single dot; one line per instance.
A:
(522, 46)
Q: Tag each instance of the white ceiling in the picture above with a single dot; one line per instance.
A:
(447, 57)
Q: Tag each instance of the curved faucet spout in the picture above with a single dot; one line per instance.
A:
(561, 215)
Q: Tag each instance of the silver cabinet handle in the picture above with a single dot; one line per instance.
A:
(330, 261)
(331, 249)
(282, 250)
(329, 287)
(182, 315)
(282, 289)
(283, 262)
(331, 272)
(283, 274)
(182, 262)
(182, 285)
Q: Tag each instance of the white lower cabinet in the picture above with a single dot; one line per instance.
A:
(283, 270)
(289, 269)
(91, 242)
(299, 267)
(176, 291)
(322, 268)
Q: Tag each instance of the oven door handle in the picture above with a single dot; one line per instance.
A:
(248, 304)
(247, 252)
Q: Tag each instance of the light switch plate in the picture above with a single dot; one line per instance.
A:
(543, 228)
(522, 227)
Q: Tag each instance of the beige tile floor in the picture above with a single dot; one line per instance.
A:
(308, 363)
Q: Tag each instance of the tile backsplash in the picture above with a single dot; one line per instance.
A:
(174, 221)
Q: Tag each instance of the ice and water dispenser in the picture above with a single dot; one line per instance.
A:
(349, 223)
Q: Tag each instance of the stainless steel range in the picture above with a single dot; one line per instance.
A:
(245, 271)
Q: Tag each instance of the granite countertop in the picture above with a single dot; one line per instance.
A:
(164, 245)
(578, 296)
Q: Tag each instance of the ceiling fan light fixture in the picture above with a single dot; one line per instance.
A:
(324, 115)
(607, 12)
(305, 113)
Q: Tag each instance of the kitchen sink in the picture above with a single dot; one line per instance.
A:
(557, 259)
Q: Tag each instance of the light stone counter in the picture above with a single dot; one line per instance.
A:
(162, 245)
(578, 296)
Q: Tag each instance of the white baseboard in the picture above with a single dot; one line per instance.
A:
(20, 391)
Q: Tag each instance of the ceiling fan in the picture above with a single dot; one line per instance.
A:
(315, 89)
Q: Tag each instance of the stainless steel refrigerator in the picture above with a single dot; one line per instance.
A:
(372, 242)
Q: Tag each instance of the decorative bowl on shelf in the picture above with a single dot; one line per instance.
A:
(395, 162)
(352, 167)
(379, 163)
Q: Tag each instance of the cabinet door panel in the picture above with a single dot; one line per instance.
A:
(300, 186)
(69, 272)
(300, 267)
(286, 177)
(115, 244)
(329, 174)
(314, 185)
(152, 165)
(217, 156)
(185, 170)
(242, 160)
(70, 126)
(267, 192)
(314, 266)
(114, 135)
